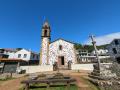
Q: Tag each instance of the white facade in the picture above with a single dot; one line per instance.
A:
(67, 51)
(100, 52)
(9, 52)
(20, 54)
(26, 55)
(84, 57)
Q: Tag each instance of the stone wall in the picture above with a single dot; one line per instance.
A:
(67, 51)
(35, 69)
(88, 67)
(44, 50)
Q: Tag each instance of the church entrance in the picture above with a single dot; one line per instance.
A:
(61, 61)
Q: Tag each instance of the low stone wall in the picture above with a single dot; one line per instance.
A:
(88, 67)
(35, 69)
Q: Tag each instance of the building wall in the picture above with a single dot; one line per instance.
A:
(117, 47)
(88, 67)
(11, 55)
(100, 52)
(35, 69)
(22, 52)
(67, 51)
(34, 56)
(44, 51)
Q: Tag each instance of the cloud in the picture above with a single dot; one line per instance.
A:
(105, 39)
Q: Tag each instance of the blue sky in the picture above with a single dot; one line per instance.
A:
(74, 20)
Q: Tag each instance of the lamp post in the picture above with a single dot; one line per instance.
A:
(96, 51)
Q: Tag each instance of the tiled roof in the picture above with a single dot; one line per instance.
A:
(12, 59)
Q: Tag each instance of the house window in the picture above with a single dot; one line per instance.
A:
(37, 57)
(116, 42)
(60, 47)
(33, 56)
(25, 55)
(19, 55)
(114, 51)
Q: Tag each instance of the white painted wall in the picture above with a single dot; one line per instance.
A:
(67, 51)
(28, 57)
(22, 52)
(88, 67)
(100, 51)
(35, 69)
(11, 55)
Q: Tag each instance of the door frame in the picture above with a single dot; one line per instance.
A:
(60, 61)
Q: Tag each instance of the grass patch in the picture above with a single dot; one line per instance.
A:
(52, 87)
(90, 84)
(6, 79)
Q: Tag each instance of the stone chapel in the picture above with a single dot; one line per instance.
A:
(60, 50)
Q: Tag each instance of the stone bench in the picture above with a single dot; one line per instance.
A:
(48, 82)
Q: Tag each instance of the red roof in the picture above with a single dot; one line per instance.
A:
(12, 59)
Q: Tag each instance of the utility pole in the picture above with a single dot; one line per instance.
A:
(96, 51)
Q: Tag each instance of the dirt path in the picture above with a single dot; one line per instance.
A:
(82, 82)
(12, 84)
(79, 81)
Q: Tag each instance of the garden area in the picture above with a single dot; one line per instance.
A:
(82, 83)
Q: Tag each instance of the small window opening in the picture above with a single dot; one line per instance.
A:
(45, 33)
(60, 47)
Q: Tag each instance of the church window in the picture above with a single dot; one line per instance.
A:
(60, 47)
(45, 33)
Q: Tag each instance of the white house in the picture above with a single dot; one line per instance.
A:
(23, 54)
(26, 55)
(7, 53)
(101, 52)
(84, 57)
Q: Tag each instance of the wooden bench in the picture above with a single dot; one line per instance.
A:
(48, 82)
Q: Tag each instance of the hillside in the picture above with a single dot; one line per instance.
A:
(90, 48)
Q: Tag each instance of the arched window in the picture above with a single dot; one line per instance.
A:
(60, 47)
(45, 33)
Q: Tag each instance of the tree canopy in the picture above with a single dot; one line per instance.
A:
(89, 48)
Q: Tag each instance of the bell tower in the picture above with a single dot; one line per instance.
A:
(44, 57)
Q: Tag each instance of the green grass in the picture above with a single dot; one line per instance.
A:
(6, 79)
(90, 84)
(52, 87)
